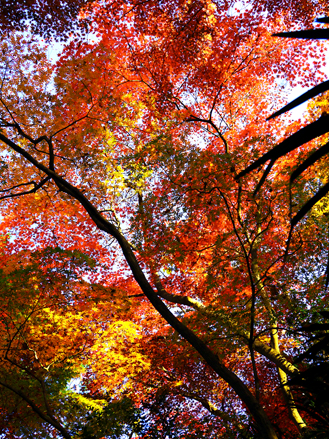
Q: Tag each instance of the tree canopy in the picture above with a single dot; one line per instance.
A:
(145, 291)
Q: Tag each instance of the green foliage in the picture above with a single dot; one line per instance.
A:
(114, 420)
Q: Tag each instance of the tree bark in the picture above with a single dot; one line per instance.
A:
(263, 423)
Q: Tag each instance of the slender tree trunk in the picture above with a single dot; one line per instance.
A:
(263, 423)
(293, 412)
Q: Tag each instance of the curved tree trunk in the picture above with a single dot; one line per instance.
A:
(263, 423)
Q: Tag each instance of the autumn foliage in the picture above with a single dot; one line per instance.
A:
(145, 291)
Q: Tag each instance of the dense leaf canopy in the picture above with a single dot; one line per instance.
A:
(145, 291)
